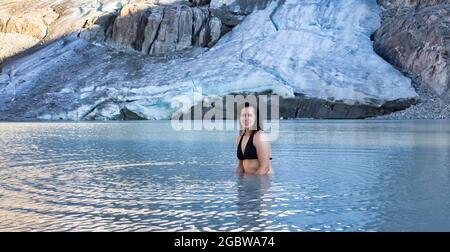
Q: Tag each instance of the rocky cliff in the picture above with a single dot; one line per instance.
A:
(415, 38)
(147, 59)
(155, 29)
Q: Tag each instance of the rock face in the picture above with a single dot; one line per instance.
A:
(411, 3)
(232, 12)
(26, 29)
(32, 23)
(156, 30)
(200, 2)
(415, 37)
(317, 55)
(161, 29)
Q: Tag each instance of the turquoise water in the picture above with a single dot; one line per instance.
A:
(144, 176)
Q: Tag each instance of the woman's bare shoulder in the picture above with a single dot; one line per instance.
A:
(261, 136)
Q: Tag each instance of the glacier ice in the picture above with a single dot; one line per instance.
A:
(317, 48)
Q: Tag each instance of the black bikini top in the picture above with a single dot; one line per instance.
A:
(250, 150)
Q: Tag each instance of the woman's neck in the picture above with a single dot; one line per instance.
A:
(249, 131)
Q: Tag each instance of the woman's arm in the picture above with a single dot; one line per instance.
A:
(240, 165)
(262, 145)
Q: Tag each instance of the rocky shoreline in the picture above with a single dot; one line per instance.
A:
(430, 106)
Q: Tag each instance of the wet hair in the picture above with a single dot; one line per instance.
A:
(258, 122)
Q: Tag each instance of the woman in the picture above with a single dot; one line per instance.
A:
(253, 147)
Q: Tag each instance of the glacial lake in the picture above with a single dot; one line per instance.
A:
(338, 175)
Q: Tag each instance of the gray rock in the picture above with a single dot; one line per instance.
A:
(128, 27)
(411, 3)
(155, 30)
(200, 17)
(214, 30)
(415, 37)
(210, 33)
(99, 28)
(166, 40)
(152, 28)
(232, 12)
(304, 107)
(200, 2)
(185, 21)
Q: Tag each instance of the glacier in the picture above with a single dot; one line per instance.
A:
(319, 49)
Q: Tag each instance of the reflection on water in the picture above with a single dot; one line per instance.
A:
(144, 176)
(253, 200)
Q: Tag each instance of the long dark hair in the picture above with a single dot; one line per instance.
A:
(258, 122)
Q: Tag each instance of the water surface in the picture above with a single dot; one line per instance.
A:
(144, 176)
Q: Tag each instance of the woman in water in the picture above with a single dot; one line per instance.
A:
(253, 147)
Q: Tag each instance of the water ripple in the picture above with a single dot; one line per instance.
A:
(329, 176)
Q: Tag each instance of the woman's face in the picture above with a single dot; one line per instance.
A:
(248, 117)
